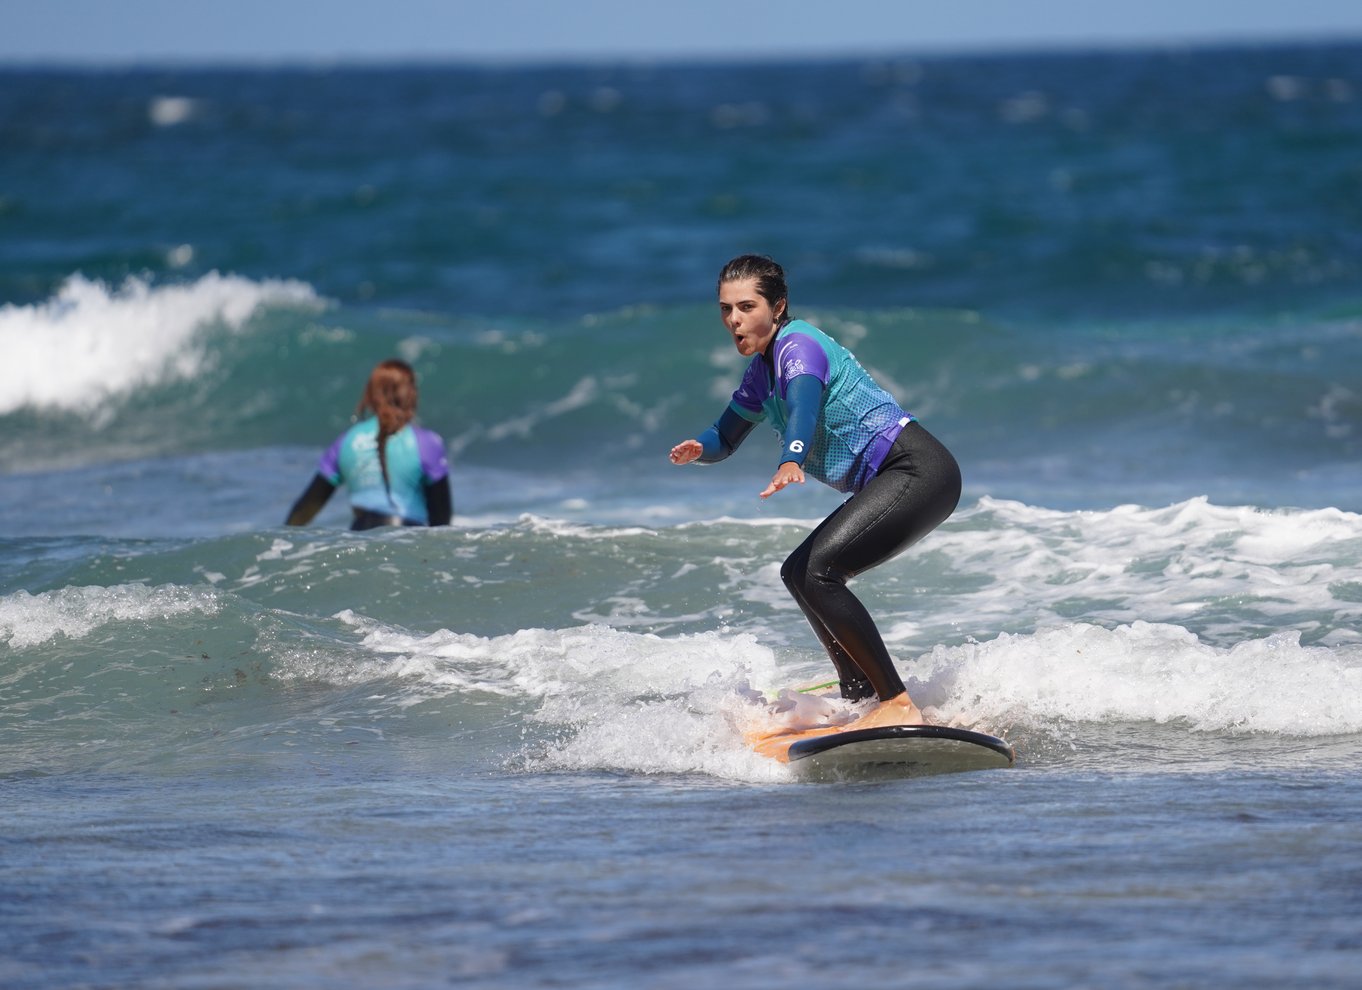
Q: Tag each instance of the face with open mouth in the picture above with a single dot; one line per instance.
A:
(750, 318)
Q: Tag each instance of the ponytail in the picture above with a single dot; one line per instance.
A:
(391, 396)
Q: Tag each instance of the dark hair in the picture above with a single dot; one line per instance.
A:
(391, 396)
(769, 275)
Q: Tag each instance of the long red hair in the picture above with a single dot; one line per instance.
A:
(391, 396)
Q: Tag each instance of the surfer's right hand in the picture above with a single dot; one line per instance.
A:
(686, 451)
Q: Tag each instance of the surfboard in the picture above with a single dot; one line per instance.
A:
(887, 750)
(900, 750)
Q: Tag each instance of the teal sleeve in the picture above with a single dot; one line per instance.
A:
(804, 397)
(721, 439)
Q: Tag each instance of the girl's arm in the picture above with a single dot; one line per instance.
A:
(439, 502)
(717, 442)
(310, 502)
(804, 396)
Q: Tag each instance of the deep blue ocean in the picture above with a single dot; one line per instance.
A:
(1124, 287)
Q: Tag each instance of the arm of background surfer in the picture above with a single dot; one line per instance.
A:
(310, 502)
(439, 502)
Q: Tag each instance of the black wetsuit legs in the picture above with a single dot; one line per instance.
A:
(915, 490)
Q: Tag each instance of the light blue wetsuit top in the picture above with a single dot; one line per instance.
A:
(416, 458)
(857, 422)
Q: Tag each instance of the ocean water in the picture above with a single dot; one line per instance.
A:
(1122, 286)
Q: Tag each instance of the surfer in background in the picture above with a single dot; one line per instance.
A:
(396, 472)
(839, 427)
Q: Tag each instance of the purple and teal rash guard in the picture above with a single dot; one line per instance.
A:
(416, 458)
(856, 421)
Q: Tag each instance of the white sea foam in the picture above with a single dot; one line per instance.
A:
(614, 700)
(90, 341)
(1145, 672)
(581, 531)
(557, 664)
(1051, 681)
(1209, 567)
(611, 699)
(1195, 617)
(28, 620)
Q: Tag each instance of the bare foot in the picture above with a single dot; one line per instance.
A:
(898, 710)
(774, 740)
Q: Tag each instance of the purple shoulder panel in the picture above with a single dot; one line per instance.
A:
(799, 354)
(329, 466)
(434, 460)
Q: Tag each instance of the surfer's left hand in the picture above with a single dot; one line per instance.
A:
(788, 473)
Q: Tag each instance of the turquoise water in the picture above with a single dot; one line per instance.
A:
(1122, 288)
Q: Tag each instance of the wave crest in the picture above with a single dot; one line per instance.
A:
(91, 342)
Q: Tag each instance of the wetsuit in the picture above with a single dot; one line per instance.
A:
(847, 432)
(414, 493)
